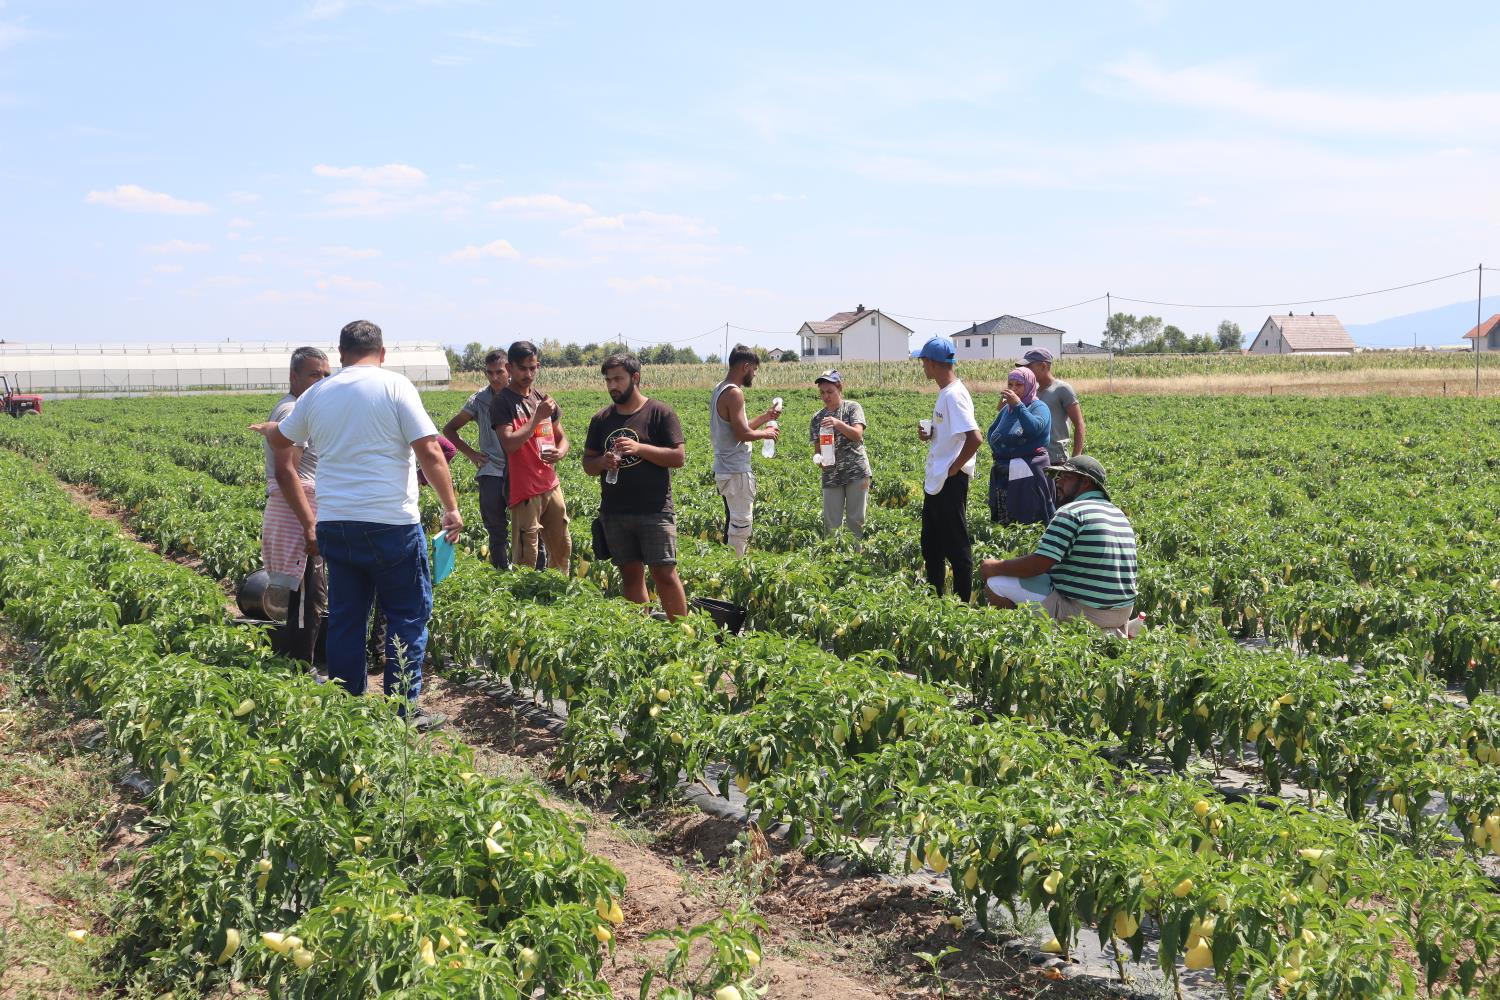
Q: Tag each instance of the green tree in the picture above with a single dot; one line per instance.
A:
(1202, 344)
(572, 356)
(473, 359)
(455, 360)
(713, 359)
(1229, 337)
(688, 356)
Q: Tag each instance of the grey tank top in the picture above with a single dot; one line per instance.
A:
(730, 455)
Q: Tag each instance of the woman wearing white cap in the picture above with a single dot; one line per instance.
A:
(846, 480)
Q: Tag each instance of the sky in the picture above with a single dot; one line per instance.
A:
(471, 171)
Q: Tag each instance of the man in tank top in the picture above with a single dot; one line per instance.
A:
(732, 434)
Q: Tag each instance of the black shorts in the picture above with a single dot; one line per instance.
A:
(641, 538)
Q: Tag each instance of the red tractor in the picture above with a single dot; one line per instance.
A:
(16, 402)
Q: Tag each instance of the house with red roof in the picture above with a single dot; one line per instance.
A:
(1487, 334)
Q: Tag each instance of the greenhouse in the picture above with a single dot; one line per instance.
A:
(137, 369)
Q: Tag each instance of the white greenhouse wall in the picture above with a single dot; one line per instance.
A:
(120, 369)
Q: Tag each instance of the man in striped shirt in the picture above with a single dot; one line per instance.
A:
(1085, 563)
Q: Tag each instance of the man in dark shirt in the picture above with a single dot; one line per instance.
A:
(634, 444)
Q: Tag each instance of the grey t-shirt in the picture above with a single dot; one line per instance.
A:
(478, 407)
(850, 463)
(1058, 396)
(308, 469)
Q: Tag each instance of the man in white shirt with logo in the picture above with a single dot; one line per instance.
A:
(366, 425)
(952, 437)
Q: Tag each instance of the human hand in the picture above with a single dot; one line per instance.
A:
(624, 447)
(1009, 396)
(310, 542)
(773, 432)
(264, 429)
(453, 523)
(923, 434)
(545, 409)
(477, 459)
(611, 460)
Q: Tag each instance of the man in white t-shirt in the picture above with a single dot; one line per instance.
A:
(952, 438)
(366, 425)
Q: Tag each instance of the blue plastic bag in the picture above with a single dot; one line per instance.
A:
(443, 556)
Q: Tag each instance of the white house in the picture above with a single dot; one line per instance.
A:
(1486, 335)
(1005, 338)
(859, 335)
(1312, 334)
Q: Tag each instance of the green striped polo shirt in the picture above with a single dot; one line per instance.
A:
(1094, 548)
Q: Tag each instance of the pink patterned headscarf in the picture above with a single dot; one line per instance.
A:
(1027, 378)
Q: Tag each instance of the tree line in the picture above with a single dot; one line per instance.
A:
(1128, 334)
(559, 355)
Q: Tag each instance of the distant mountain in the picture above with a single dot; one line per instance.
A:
(1443, 325)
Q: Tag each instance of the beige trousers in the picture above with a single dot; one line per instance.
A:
(738, 491)
(546, 516)
(1111, 620)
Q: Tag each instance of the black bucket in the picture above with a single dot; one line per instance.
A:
(730, 616)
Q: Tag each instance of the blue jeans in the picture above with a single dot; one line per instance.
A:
(364, 560)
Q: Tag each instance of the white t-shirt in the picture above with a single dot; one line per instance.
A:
(952, 418)
(361, 421)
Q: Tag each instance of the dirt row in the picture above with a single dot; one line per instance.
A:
(826, 935)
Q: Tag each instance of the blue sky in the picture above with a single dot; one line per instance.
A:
(464, 171)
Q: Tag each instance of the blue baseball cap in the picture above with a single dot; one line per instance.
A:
(939, 348)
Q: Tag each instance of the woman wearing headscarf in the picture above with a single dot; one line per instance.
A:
(1020, 492)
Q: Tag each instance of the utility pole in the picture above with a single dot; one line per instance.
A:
(726, 344)
(1108, 315)
(1478, 320)
(879, 356)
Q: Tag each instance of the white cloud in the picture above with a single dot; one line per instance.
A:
(176, 247)
(12, 33)
(168, 269)
(516, 39)
(372, 203)
(496, 250)
(680, 282)
(239, 222)
(663, 238)
(1237, 91)
(347, 283)
(133, 198)
(390, 175)
(648, 282)
(542, 205)
(350, 253)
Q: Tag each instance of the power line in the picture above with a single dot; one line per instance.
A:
(1299, 302)
(773, 333)
(683, 340)
(964, 322)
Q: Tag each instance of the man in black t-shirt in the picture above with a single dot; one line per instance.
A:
(633, 445)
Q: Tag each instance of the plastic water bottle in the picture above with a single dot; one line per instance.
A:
(778, 405)
(768, 445)
(612, 476)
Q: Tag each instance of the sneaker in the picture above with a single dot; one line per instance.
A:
(424, 721)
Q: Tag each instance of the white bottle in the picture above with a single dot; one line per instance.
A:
(612, 476)
(768, 445)
(777, 405)
(825, 443)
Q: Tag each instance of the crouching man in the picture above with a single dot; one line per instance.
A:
(1085, 563)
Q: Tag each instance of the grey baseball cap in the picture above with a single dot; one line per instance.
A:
(1083, 465)
(1036, 355)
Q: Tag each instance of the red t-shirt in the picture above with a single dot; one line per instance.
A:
(527, 474)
